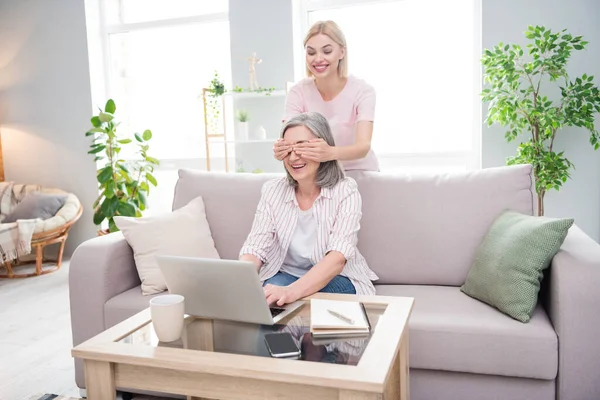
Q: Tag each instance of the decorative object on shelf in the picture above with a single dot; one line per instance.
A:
(124, 185)
(241, 131)
(516, 101)
(252, 61)
(240, 168)
(215, 126)
(217, 89)
(266, 91)
(259, 134)
(214, 103)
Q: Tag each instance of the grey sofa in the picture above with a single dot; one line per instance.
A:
(419, 234)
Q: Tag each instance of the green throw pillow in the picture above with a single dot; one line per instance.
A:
(510, 262)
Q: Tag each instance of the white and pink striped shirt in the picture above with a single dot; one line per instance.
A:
(337, 211)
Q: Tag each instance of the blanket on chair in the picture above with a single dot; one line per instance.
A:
(15, 237)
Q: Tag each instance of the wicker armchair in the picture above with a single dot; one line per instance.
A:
(53, 230)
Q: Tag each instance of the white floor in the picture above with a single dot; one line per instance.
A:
(35, 337)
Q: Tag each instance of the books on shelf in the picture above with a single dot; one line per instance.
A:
(334, 318)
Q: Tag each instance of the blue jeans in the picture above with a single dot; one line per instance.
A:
(339, 284)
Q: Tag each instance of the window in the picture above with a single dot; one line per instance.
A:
(157, 76)
(157, 57)
(133, 11)
(422, 57)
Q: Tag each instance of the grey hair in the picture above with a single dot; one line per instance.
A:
(329, 172)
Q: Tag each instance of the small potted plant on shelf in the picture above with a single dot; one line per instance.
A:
(124, 185)
(241, 130)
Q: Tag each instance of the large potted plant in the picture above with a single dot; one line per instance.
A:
(517, 101)
(124, 184)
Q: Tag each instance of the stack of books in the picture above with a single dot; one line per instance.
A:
(336, 318)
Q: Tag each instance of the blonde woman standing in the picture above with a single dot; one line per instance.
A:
(346, 101)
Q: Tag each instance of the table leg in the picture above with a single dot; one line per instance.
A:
(355, 395)
(404, 370)
(199, 335)
(99, 380)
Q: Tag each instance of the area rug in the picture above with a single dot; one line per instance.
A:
(52, 397)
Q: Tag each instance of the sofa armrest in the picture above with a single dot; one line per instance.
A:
(100, 269)
(573, 305)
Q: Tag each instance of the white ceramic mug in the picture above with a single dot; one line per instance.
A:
(167, 312)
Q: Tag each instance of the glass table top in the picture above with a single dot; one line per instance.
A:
(248, 339)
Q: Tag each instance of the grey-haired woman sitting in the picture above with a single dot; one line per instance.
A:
(303, 239)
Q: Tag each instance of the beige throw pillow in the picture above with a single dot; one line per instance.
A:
(183, 232)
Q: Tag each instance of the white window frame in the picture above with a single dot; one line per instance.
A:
(472, 159)
(108, 29)
(101, 77)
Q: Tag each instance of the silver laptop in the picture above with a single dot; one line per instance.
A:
(221, 289)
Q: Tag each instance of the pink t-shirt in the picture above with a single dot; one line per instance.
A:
(356, 102)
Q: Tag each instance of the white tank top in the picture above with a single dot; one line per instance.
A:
(298, 258)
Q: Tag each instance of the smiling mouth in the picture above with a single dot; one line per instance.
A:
(298, 166)
(320, 68)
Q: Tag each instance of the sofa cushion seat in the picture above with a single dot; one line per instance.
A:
(451, 331)
(125, 305)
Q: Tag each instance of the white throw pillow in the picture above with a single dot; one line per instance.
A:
(183, 232)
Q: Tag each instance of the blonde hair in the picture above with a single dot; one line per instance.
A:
(334, 32)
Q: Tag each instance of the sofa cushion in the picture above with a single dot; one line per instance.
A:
(510, 262)
(423, 229)
(183, 232)
(230, 201)
(37, 205)
(125, 305)
(415, 229)
(451, 331)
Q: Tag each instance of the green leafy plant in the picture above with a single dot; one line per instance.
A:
(242, 115)
(124, 185)
(217, 87)
(266, 91)
(213, 102)
(516, 101)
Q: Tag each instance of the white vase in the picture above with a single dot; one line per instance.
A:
(241, 131)
(259, 134)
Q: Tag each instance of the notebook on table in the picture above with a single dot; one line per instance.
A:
(332, 318)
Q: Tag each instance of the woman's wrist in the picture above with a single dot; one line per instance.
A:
(296, 290)
(333, 153)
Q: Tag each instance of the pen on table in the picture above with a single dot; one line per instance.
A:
(342, 317)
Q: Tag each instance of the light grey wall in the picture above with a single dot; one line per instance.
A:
(505, 21)
(264, 27)
(45, 100)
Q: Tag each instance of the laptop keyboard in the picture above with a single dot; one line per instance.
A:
(276, 311)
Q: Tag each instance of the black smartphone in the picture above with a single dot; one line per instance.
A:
(281, 345)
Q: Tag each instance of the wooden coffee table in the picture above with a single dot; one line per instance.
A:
(227, 360)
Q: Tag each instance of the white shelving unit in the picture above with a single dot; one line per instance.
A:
(249, 95)
(221, 136)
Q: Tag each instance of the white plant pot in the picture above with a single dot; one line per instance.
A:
(259, 134)
(241, 131)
